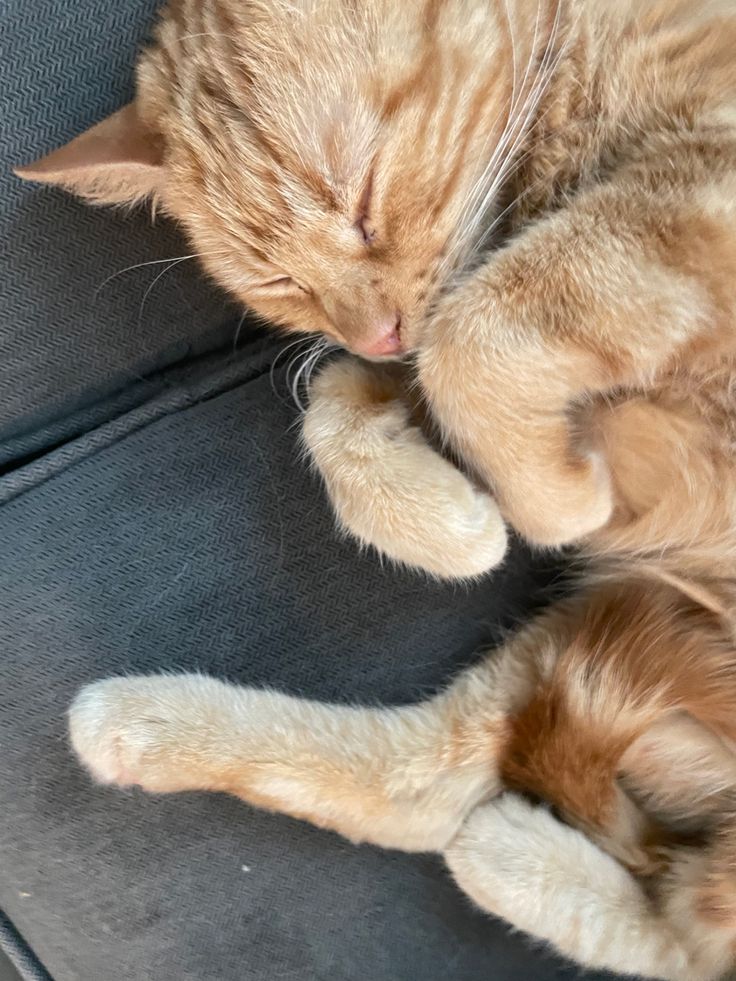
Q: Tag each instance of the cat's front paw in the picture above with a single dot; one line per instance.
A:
(142, 731)
(504, 402)
(389, 488)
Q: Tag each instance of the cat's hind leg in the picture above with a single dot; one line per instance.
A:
(389, 488)
(699, 897)
(401, 778)
(521, 864)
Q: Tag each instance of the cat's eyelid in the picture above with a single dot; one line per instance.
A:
(277, 281)
(281, 284)
(362, 221)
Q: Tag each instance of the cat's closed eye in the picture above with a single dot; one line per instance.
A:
(363, 220)
(281, 284)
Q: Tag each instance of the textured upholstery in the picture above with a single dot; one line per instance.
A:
(70, 333)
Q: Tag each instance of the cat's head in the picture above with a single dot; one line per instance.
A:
(329, 160)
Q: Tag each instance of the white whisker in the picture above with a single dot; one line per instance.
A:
(547, 72)
(504, 160)
(160, 276)
(518, 127)
(479, 189)
(153, 262)
(238, 329)
(300, 341)
(305, 371)
(524, 192)
(303, 375)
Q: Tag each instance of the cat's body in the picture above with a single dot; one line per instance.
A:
(343, 168)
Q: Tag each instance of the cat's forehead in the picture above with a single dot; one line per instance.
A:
(331, 48)
(282, 112)
(323, 75)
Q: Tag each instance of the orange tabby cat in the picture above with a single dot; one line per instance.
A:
(344, 168)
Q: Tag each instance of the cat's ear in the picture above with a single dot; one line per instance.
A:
(117, 161)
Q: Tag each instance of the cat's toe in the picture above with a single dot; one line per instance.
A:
(119, 733)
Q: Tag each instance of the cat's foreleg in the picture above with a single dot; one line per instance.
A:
(519, 863)
(387, 485)
(602, 295)
(398, 777)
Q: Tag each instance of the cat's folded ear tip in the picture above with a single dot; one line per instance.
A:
(35, 171)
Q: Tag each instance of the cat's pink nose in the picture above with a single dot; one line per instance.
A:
(384, 340)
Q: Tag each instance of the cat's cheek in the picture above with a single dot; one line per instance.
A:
(295, 315)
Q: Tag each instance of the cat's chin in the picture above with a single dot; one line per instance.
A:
(392, 357)
(383, 358)
(402, 353)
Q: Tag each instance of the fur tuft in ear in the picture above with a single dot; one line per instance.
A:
(118, 161)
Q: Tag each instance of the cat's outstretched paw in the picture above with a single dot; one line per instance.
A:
(387, 485)
(147, 731)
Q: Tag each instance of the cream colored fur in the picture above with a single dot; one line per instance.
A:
(389, 488)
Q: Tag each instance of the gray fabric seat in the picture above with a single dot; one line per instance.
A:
(155, 515)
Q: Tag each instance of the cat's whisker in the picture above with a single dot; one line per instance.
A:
(522, 125)
(296, 359)
(467, 209)
(303, 375)
(473, 211)
(299, 342)
(544, 78)
(514, 165)
(514, 101)
(306, 360)
(153, 262)
(518, 125)
(327, 347)
(480, 183)
(294, 382)
(238, 330)
(525, 192)
(156, 280)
